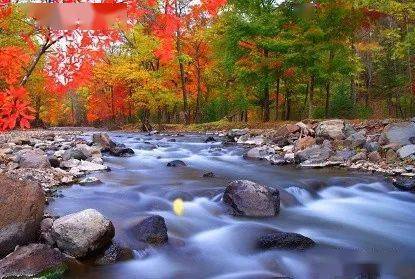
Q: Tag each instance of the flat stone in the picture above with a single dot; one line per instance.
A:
(284, 240)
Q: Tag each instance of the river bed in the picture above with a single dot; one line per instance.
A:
(361, 223)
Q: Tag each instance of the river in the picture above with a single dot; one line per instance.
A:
(361, 224)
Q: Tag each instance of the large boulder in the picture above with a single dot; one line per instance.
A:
(315, 153)
(82, 233)
(21, 207)
(103, 141)
(398, 133)
(284, 240)
(34, 260)
(406, 151)
(153, 230)
(333, 129)
(33, 158)
(247, 198)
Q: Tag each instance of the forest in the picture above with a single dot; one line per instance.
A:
(183, 61)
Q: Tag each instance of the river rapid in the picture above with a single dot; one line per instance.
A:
(361, 223)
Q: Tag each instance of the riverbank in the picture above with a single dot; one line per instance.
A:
(175, 155)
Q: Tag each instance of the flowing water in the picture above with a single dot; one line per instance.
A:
(361, 224)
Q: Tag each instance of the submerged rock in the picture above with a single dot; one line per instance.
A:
(404, 184)
(210, 139)
(153, 230)
(121, 151)
(176, 163)
(82, 233)
(114, 253)
(247, 198)
(285, 240)
(34, 260)
(209, 174)
(21, 207)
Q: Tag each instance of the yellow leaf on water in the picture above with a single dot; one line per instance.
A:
(178, 207)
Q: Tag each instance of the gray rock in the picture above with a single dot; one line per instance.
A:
(33, 260)
(357, 139)
(372, 146)
(152, 230)
(35, 158)
(406, 151)
(73, 153)
(315, 153)
(343, 155)
(334, 129)
(21, 207)
(247, 198)
(259, 152)
(82, 233)
(399, 133)
(284, 240)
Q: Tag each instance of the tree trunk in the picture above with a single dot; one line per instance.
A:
(266, 115)
(288, 104)
(181, 67)
(199, 87)
(311, 97)
(328, 86)
(277, 99)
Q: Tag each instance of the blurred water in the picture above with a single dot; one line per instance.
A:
(361, 224)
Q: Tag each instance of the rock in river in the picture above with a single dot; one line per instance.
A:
(21, 208)
(284, 240)
(153, 230)
(82, 233)
(176, 163)
(34, 260)
(121, 151)
(103, 141)
(250, 199)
